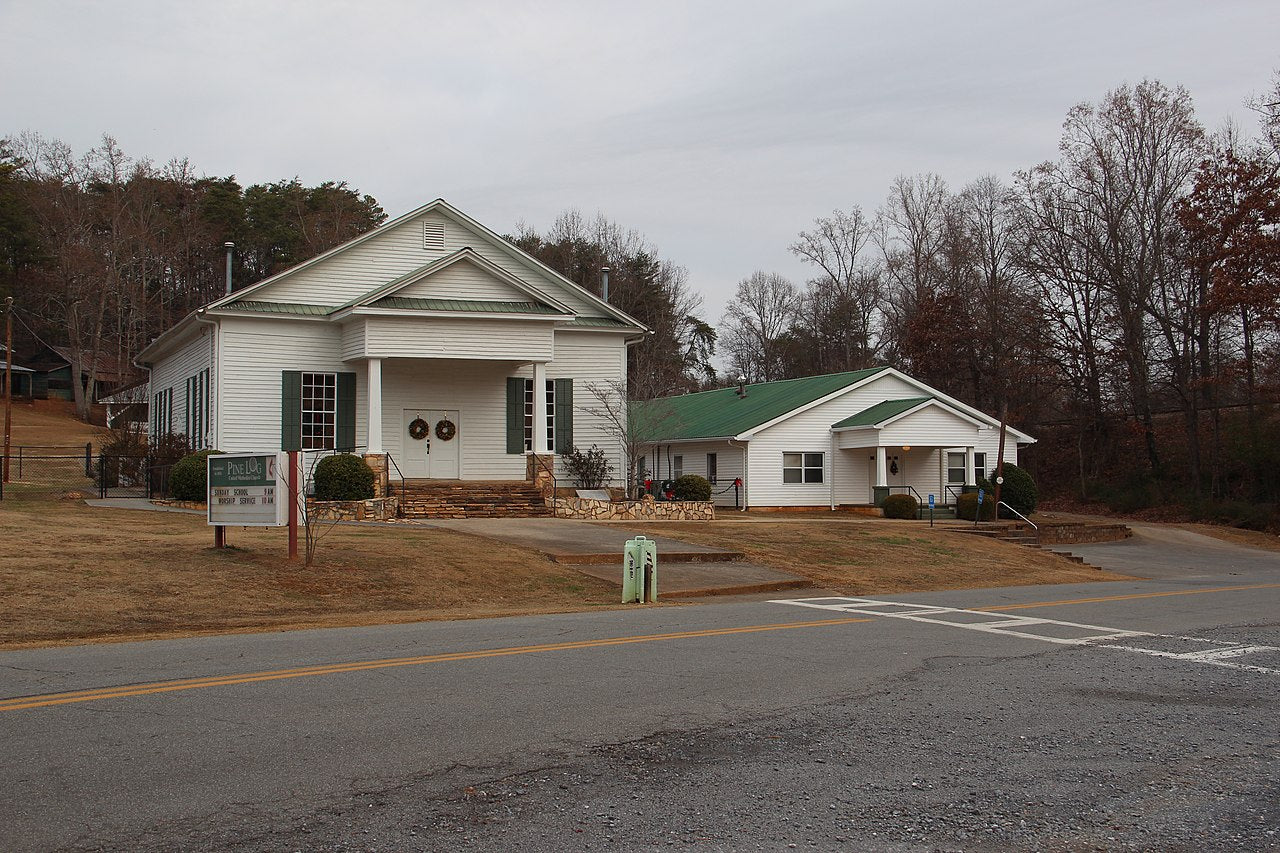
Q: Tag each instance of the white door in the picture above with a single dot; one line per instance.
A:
(416, 422)
(443, 448)
(892, 478)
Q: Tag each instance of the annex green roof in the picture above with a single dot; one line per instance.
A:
(297, 309)
(492, 306)
(881, 412)
(722, 413)
(598, 322)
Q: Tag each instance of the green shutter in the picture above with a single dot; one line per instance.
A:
(564, 415)
(515, 414)
(345, 434)
(190, 433)
(290, 410)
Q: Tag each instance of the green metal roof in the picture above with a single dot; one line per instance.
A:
(881, 412)
(417, 303)
(599, 322)
(299, 309)
(722, 413)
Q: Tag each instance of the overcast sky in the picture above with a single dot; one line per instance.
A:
(717, 130)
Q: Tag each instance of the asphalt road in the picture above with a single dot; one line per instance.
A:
(1118, 716)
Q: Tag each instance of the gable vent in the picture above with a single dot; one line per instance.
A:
(433, 235)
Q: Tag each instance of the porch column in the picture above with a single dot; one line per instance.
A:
(540, 408)
(880, 489)
(374, 366)
(969, 478)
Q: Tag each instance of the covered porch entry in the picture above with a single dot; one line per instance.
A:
(918, 446)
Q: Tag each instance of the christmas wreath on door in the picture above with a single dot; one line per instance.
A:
(446, 430)
(418, 429)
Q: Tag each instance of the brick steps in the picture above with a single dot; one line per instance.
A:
(1019, 534)
(471, 499)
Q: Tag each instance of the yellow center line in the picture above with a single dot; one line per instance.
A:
(49, 699)
(1129, 597)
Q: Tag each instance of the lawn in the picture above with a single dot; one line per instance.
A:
(866, 557)
(71, 573)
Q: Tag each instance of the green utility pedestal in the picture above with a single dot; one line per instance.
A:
(639, 571)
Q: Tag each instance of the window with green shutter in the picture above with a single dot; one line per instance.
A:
(291, 410)
(515, 414)
(563, 415)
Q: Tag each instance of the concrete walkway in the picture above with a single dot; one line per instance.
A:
(684, 569)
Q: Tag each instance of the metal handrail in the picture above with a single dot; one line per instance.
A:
(1018, 514)
(956, 491)
(403, 489)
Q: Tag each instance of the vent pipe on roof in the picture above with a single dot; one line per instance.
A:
(604, 283)
(230, 247)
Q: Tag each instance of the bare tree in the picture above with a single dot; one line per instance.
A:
(754, 323)
(634, 425)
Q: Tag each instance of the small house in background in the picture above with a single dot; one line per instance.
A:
(51, 379)
(23, 377)
(843, 439)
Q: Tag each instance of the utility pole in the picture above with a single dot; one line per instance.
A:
(8, 380)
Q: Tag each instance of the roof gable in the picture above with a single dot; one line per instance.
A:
(881, 412)
(405, 245)
(724, 413)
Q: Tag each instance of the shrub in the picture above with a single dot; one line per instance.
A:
(900, 506)
(691, 487)
(1018, 491)
(343, 477)
(588, 470)
(967, 506)
(189, 477)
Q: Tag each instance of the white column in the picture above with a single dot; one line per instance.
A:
(969, 478)
(882, 467)
(375, 404)
(540, 407)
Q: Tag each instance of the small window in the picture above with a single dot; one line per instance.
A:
(677, 466)
(955, 468)
(802, 467)
(711, 468)
(979, 466)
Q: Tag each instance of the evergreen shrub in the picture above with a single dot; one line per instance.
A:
(189, 477)
(692, 487)
(343, 477)
(900, 506)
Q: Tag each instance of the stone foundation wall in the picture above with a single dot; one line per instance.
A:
(374, 509)
(593, 510)
(1081, 534)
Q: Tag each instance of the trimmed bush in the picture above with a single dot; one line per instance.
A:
(967, 506)
(691, 487)
(1019, 490)
(900, 506)
(343, 477)
(189, 477)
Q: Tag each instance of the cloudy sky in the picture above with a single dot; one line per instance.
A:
(718, 130)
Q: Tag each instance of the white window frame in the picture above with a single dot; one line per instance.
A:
(953, 468)
(712, 468)
(979, 466)
(319, 417)
(805, 467)
(677, 466)
(528, 415)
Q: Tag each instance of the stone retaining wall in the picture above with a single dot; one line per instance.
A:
(1081, 534)
(594, 510)
(200, 505)
(374, 509)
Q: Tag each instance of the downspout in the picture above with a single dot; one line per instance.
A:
(746, 481)
(215, 379)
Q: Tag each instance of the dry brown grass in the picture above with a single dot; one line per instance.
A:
(71, 573)
(878, 557)
(51, 423)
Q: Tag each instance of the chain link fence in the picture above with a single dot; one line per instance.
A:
(52, 473)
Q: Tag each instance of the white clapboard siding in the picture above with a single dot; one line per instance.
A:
(931, 426)
(660, 463)
(190, 359)
(591, 361)
(456, 337)
(254, 352)
(463, 280)
(810, 432)
(388, 255)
